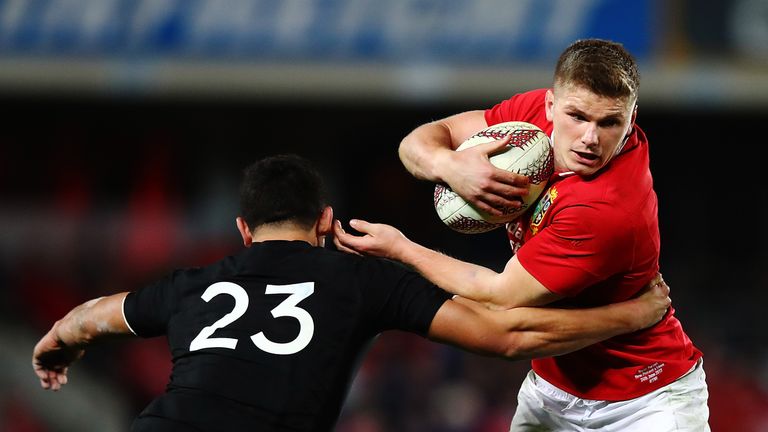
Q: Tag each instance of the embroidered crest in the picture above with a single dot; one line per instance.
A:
(541, 209)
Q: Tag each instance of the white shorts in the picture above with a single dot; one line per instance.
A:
(678, 406)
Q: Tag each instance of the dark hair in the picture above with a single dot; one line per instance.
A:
(281, 188)
(603, 67)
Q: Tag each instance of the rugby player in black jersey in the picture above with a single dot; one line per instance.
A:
(269, 339)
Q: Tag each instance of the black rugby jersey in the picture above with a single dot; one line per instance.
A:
(269, 339)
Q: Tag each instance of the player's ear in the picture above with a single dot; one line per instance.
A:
(549, 104)
(325, 222)
(324, 225)
(245, 232)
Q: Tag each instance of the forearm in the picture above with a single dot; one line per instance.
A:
(544, 332)
(534, 332)
(512, 288)
(465, 279)
(92, 320)
(425, 150)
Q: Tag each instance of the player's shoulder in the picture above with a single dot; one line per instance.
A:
(528, 100)
(364, 264)
(526, 106)
(535, 96)
(532, 100)
(205, 273)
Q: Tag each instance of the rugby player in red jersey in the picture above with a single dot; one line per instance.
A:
(593, 239)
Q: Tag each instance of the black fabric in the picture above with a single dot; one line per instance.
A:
(353, 299)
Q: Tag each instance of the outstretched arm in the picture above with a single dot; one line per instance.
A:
(525, 333)
(428, 154)
(65, 342)
(513, 287)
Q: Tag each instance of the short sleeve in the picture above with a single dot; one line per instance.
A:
(520, 107)
(401, 299)
(501, 112)
(148, 310)
(582, 246)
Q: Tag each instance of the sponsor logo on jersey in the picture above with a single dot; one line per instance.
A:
(515, 231)
(541, 209)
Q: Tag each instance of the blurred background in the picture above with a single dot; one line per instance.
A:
(126, 123)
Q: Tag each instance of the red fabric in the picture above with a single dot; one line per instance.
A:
(596, 241)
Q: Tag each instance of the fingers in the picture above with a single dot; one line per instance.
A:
(502, 192)
(45, 382)
(377, 239)
(497, 206)
(498, 198)
(56, 381)
(502, 175)
(361, 226)
(660, 286)
(659, 280)
(664, 288)
(52, 380)
(503, 198)
(494, 146)
(341, 238)
(663, 283)
(343, 248)
(39, 371)
(344, 241)
(42, 373)
(517, 182)
(63, 377)
(661, 292)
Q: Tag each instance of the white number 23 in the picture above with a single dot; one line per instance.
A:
(287, 308)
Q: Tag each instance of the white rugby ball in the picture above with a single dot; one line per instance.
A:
(528, 153)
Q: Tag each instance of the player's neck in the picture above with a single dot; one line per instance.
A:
(286, 232)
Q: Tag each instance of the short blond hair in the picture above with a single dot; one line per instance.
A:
(601, 66)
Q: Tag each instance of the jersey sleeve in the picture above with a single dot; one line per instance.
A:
(583, 245)
(148, 310)
(401, 299)
(520, 107)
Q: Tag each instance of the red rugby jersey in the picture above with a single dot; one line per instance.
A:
(596, 241)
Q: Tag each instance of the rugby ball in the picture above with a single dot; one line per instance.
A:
(528, 153)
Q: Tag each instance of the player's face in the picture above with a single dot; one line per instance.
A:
(589, 129)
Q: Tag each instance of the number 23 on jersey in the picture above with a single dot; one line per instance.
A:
(287, 308)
